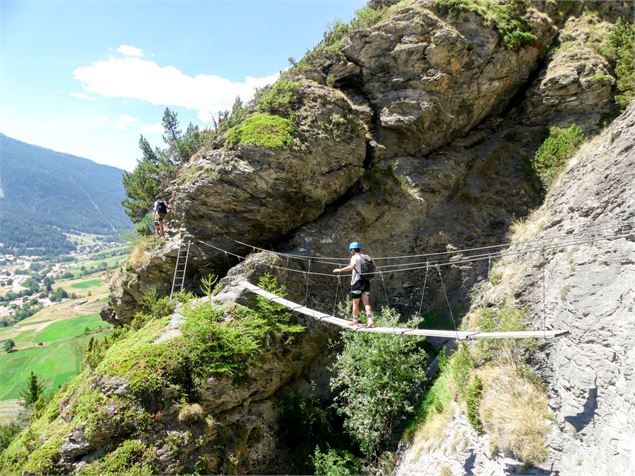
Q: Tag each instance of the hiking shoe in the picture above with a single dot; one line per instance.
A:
(355, 322)
(369, 323)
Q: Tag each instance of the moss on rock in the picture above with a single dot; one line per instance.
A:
(265, 130)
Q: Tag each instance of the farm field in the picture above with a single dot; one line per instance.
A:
(8, 410)
(87, 284)
(94, 284)
(50, 343)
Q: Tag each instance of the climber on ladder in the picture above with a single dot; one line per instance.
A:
(159, 211)
(360, 266)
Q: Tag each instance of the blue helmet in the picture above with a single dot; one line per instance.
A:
(355, 245)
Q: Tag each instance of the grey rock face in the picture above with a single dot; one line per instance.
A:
(587, 288)
(591, 291)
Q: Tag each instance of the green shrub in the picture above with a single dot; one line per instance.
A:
(620, 51)
(275, 98)
(334, 463)
(515, 31)
(375, 376)
(473, 397)
(554, 152)
(264, 130)
(7, 433)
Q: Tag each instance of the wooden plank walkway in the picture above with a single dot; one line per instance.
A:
(460, 335)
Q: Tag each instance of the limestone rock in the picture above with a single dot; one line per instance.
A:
(576, 85)
(432, 75)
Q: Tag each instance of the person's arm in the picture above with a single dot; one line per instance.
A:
(350, 267)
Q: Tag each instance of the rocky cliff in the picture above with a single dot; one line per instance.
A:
(398, 124)
(586, 288)
(410, 130)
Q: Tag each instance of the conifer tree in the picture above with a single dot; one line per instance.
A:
(34, 390)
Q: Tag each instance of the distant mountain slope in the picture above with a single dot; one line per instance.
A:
(44, 193)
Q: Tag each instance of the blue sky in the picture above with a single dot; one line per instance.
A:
(88, 77)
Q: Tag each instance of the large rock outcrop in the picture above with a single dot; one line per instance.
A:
(586, 288)
(411, 82)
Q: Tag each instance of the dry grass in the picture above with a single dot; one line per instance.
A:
(513, 412)
(430, 435)
(527, 229)
(139, 256)
(445, 470)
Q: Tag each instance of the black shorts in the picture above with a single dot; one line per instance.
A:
(360, 287)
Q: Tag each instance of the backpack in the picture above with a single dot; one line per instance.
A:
(367, 267)
(162, 209)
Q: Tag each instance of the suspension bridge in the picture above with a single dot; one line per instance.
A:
(427, 262)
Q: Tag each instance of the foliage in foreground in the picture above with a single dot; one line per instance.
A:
(334, 463)
(376, 376)
(554, 152)
(216, 341)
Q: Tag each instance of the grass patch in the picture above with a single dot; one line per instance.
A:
(132, 457)
(265, 130)
(69, 328)
(87, 284)
(507, 18)
(555, 151)
(504, 319)
(215, 341)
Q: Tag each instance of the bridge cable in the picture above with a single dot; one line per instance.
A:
(448, 303)
(423, 291)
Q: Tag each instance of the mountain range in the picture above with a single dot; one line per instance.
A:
(45, 194)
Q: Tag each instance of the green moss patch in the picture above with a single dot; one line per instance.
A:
(266, 130)
(132, 457)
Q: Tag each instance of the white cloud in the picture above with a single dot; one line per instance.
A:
(84, 96)
(128, 50)
(123, 121)
(149, 129)
(205, 116)
(145, 80)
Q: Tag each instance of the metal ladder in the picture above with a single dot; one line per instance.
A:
(180, 268)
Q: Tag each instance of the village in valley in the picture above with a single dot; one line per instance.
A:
(49, 310)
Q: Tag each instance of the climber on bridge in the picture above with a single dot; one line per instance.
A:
(360, 284)
(159, 211)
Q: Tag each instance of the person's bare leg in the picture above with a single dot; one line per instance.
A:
(356, 310)
(369, 310)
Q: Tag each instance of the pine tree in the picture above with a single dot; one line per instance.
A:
(172, 137)
(34, 390)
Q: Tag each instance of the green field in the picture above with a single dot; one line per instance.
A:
(55, 362)
(87, 284)
(69, 328)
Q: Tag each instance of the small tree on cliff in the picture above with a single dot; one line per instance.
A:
(157, 167)
(33, 391)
